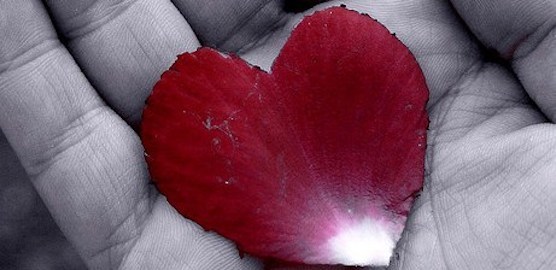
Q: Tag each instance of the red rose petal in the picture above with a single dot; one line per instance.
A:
(316, 162)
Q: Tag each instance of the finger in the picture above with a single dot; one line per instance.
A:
(123, 46)
(232, 25)
(525, 33)
(84, 161)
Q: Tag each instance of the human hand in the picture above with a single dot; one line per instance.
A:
(487, 200)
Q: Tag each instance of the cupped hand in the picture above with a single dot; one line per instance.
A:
(74, 76)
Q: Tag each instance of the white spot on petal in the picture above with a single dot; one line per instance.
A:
(363, 243)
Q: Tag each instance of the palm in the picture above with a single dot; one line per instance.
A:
(485, 203)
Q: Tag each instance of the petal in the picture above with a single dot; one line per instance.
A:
(317, 162)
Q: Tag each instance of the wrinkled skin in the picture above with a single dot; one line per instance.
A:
(489, 199)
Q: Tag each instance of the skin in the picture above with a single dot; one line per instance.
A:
(69, 103)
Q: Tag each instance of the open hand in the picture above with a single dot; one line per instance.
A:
(70, 98)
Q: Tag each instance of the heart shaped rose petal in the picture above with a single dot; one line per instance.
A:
(317, 161)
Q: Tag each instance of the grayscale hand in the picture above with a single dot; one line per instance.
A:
(70, 97)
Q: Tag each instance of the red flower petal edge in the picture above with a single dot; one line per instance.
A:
(316, 162)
